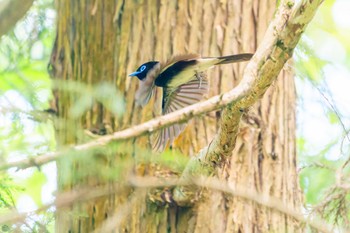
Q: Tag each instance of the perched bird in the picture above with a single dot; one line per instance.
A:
(184, 83)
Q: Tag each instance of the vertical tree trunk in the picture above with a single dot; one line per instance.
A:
(103, 40)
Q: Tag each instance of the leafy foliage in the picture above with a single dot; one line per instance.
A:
(24, 90)
(7, 190)
(322, 64)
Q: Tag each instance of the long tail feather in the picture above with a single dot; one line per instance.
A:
(235, 58)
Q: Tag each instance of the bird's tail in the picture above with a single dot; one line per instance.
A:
(234, 58)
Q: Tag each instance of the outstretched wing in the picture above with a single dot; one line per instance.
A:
(183, 96)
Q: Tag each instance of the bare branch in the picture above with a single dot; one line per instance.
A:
(11, 11)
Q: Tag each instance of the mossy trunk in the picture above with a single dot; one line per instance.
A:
(104, 40)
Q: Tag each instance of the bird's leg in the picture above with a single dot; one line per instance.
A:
(199, 76)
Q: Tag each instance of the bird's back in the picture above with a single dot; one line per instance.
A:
(177, 71)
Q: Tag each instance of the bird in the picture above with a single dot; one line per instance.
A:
(184, 82)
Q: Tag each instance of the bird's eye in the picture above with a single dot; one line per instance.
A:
(142, 68)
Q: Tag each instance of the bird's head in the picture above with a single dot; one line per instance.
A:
(144, 69)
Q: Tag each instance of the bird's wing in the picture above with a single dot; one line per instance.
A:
(181, 69)
(176, 58)
(183, 96)
(178, 70)
(146, 87)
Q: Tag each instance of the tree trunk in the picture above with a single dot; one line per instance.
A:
(103, 41)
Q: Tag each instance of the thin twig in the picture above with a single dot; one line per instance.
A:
(336, 112)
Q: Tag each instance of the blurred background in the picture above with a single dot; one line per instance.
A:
(322, 74)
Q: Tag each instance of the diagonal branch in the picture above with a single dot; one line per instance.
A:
(143, 183)
(11, 11)
(274, 51)
(240, 192)
(281, 38)
(65, 199)
(181, 115)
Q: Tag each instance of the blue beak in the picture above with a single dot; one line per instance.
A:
(134, 73)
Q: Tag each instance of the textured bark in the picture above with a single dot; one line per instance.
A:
(104, 40)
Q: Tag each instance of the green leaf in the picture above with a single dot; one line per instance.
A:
(314, 181)
(34, 185)
(332, 117)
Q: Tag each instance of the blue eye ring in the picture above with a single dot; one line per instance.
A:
(142, 68)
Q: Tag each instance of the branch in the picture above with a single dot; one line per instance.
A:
(65, 199)
(250, 195)
(10, 12)
(181, 115)
(88, 193)
(277, 47)
(274, 51)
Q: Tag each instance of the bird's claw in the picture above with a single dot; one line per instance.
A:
(199, 78)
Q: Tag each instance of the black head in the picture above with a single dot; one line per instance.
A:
(143, 70)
